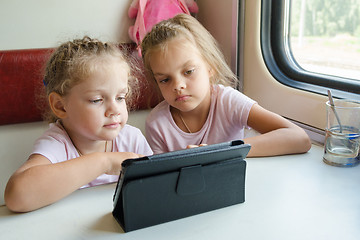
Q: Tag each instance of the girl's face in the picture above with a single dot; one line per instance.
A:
(96, 107)
(182, 76)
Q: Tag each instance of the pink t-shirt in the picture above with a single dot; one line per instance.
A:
(228, 115)
(56, 145)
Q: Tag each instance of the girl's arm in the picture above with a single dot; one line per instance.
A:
(278, 135)
(38, 182)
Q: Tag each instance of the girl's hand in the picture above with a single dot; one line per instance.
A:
(115, 160)
(194, 146)
(29, 187)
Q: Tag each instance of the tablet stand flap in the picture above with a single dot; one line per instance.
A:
(191, 181)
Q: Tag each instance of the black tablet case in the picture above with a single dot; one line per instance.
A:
(169, 186)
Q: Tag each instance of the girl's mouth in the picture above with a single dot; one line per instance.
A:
(112, 125)
(182, 98)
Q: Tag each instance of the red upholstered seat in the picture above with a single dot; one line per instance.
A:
(21, 84)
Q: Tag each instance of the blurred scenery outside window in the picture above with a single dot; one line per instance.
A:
(324, 36)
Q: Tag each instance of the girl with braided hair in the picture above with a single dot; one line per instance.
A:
(87, 85)
(201, 106)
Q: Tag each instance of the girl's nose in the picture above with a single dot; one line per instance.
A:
(179, 84)
(113, 109)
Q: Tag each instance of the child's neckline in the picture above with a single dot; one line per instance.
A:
(80, 154)
(183, 121)
(77, 150)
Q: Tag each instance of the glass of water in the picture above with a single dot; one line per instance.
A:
(342, 140)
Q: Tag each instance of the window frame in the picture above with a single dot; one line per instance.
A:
(283, 66)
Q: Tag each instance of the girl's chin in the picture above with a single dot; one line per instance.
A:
(186, 109)
(111, 134)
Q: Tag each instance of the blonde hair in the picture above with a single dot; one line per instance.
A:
(186, 26)
(76, 60)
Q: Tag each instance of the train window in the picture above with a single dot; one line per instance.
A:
(313, 44)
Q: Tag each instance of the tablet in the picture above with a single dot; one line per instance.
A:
(164, 187)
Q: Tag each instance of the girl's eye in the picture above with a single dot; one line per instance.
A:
(120, 98)
(164, 80)
(96, 101)
(188, 72)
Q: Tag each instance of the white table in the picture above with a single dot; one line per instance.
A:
(287, 197)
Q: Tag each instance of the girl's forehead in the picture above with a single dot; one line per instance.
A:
(105, 62)
(182, 43)
(178, 44)
(102, 75)
(106, 65)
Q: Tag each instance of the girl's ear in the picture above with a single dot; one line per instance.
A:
(211, 72)
(56, 103)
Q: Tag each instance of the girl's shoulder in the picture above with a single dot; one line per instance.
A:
(160, 111)
(55, 144)
(55, 132)
(220, 89)
(226, 92)
(128, 135)
(131, 139)
(162, 106)
(129, 130)
(229, 95)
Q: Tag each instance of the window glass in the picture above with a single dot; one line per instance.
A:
(324, 36)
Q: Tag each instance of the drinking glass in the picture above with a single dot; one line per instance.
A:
(342, 133)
